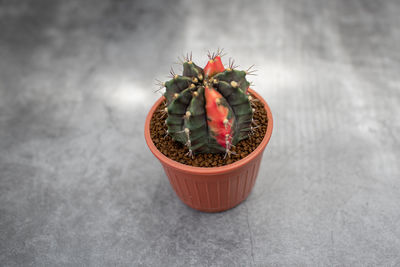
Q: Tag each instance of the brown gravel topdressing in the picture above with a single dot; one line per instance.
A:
(176, 151)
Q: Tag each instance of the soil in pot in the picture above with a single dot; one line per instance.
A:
(176, 151)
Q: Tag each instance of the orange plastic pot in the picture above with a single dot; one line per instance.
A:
(217, 188)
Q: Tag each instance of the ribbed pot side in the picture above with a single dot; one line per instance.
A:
(217, 188)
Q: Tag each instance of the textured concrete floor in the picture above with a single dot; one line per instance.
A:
(79, 187)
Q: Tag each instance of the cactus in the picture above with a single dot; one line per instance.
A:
(209, 110)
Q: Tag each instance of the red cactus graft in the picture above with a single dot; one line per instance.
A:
(217, 117)
(214, 66)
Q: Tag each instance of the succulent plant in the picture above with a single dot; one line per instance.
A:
(209, 110)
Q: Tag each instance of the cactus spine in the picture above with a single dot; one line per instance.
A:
(209, 110)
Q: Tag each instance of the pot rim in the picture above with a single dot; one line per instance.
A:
(207, 170)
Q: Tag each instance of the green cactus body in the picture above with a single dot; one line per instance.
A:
(208, 110)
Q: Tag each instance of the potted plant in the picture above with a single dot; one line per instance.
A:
(209, 131)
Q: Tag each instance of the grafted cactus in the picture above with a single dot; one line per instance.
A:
(209, 110)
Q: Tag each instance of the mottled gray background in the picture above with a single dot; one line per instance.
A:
(79, 187)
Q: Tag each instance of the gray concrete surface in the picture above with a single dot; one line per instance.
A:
(79, 187)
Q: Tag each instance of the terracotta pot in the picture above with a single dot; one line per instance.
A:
(217, 188)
